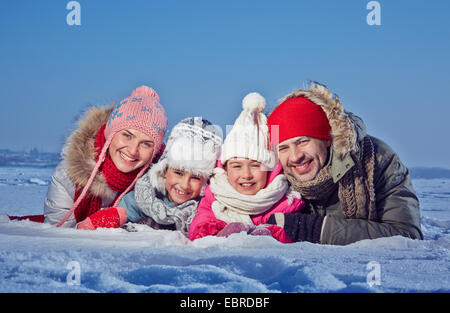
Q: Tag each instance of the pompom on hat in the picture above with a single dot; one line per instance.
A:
(254, 102)
(141, 111)
(248, 137)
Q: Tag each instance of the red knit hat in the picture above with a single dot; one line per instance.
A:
(296, 117)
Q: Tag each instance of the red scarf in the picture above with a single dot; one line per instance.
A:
(115, 179)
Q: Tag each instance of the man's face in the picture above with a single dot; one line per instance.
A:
(303, 157)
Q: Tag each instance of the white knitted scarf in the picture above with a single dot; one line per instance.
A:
(232, 206)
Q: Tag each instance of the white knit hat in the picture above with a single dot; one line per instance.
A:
(193, 145)
(249, 136)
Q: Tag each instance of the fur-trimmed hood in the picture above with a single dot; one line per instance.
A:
(347, 129)
(79, 153)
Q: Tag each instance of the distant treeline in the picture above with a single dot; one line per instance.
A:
(33, 158)
(429, 172)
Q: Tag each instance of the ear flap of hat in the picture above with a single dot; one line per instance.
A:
(94, 172)
(156, 175)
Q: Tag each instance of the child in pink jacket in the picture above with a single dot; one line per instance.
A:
(243, 191)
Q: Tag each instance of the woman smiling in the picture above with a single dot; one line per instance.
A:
(105, 156)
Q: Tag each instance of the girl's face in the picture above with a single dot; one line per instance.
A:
(246, 176)
(130, 149)
(182, 185)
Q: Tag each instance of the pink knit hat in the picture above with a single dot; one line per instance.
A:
(141, 111)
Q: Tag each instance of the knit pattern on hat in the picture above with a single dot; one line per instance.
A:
(141, 111)
(193, 145)
(248, 137)
(299, 116)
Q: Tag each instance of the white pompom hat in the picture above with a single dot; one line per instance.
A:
(249, 136)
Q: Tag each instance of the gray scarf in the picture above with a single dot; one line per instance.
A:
(153, 204)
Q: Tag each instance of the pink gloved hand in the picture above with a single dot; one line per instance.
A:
(260, 231)
(233, 228)
(237, 227)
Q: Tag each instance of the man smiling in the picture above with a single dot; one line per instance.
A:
(355, 185)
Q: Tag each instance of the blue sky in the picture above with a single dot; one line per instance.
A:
(203, 57)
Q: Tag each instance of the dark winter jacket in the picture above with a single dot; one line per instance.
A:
(396, 202)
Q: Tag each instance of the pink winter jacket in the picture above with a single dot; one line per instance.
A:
(205, 222)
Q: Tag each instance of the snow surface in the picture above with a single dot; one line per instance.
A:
(40, 258)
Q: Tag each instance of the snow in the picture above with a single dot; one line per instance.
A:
(42, 258)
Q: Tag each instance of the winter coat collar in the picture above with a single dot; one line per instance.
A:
(79, 152)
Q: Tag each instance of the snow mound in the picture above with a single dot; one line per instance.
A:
(38, 181)
(42, 258)
(35, 257)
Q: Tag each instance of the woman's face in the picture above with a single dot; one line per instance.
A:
(182, 186)
(246, 176)
(130, 149)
